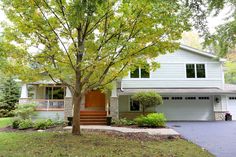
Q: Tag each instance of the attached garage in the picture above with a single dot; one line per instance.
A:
(232, 106)
(187, 108)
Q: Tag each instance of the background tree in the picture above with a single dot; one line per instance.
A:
(87, 44)
(10, 94)
(224, 38)
(230, 74)
(147, 99)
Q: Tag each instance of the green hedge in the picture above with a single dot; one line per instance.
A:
(151, 120)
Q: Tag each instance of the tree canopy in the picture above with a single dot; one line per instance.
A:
(87, 44)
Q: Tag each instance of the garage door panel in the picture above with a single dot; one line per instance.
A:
(187, 109)
(232, 106)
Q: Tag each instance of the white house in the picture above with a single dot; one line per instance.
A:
(190, 81)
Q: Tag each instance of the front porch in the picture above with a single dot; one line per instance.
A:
(55, 101)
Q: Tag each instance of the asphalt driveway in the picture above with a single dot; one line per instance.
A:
(219, 138)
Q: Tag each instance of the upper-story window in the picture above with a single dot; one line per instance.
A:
(195, 71)
(140, 73)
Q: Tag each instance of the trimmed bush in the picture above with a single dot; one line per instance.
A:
(25, 124)
(123, 122)
(43, 124)
(151, 120)
(147, 99)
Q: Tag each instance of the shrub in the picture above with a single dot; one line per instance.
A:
(9, 97)
(124, 121)
(15, 123)
(43, 124)
(151, 120)
(25, 124)
(24, 111)
(147, 99)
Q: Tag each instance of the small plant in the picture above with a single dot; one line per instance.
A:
(123, 121)
(24, 111)
(15, 123)
(25, 124)
(151, 120)
(43, 124)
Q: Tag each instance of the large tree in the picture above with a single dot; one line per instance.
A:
(87, 44)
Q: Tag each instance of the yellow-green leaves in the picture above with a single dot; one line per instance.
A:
(93, 42)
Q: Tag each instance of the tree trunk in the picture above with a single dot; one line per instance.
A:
(143, 109)
(76, 115)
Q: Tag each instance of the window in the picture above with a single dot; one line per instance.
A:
(195, 71)
(201, 71)
(135, 73)
(54, 93)
(134, 105)
(144, 73)
(203, 98)
(140, 73)
(190, 70)
(232, 98)
(190, 98)
(165, 98)
(177, 98)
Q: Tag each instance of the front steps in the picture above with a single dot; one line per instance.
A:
(93, 118)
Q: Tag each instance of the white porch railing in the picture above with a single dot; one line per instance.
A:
(48, 104)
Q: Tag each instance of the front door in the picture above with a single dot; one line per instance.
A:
(95, 99)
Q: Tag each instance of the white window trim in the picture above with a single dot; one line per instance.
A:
(195, 70)
(139, 74)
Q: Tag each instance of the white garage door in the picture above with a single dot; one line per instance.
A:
(187, 108)
(232, 106)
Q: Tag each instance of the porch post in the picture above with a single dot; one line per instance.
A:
(68, 104)
(114, 103)
(24, 91)
(24, 94)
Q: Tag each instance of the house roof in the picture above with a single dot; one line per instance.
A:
(228, 89)
(203, 53)
(43, 82)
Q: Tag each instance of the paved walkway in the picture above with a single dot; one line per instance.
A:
(151, 131)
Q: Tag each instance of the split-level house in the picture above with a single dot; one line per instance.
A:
(191, 83)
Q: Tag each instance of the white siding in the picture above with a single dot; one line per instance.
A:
(173, 83)
(167, 70)
(183, 56)
(172, 72)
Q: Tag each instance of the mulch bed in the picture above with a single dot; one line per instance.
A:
(131, 136)
(134, 136)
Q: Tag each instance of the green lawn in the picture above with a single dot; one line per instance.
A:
(91, 144)
(5, 122)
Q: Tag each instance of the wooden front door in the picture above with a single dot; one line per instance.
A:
(95, 99)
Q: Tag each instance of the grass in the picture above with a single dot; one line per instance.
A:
(5, 122)
(36, 144)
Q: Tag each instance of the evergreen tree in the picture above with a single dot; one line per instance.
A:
(10, 96)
